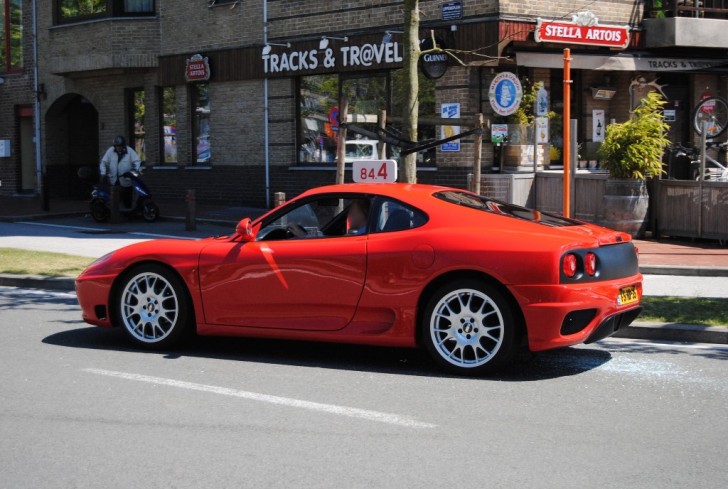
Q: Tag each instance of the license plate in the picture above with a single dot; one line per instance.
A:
(627, 295)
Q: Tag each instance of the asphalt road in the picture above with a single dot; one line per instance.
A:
(82, 409)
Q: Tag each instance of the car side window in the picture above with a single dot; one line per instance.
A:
(323, 217)
(397, 216)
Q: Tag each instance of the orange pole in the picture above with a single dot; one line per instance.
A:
(567, 132)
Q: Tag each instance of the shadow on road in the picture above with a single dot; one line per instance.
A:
(397, 361)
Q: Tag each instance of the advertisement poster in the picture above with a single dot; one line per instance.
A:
(498, 133)
(598, 125)
(542, 130)
(450, 111)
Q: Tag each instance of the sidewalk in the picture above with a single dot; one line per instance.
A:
(657, 257)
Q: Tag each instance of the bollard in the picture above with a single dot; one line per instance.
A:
(115, 216)
(191, 214)
(279, 198)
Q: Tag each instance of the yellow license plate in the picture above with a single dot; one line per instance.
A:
(627, 295)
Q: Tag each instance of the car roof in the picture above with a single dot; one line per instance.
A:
(413, 191)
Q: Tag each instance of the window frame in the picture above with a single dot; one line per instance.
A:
(161, 126)
(195, 124)
(7, 45)
(114, 8)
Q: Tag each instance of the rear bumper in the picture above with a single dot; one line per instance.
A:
(565, 315)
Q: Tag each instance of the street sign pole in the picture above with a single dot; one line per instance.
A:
(567, 134)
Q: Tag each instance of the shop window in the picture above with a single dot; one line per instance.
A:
(201, 123)
(75, 10)
(11, 33)
(318, 103)
(168, 116)
(136, 110)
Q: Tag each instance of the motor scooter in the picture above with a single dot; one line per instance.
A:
(141, 202)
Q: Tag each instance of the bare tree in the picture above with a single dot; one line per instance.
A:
(411, 107)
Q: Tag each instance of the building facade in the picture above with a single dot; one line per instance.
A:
(238, 99)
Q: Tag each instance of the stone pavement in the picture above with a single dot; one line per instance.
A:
(673, 257)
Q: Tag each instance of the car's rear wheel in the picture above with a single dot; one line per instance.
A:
(469, 327)
(153, 307)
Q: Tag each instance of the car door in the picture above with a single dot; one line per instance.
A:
(287, 282)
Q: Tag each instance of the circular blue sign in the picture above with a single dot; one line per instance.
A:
(505, 93)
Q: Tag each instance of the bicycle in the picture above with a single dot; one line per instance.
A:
(719, 174)
(714, 112)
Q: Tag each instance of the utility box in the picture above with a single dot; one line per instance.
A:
(4, 148)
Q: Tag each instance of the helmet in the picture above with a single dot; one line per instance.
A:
(119, 141)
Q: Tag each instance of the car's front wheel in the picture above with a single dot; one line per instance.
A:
(469, 327)
(152, 307)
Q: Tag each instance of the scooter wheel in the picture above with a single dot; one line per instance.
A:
(150, 211)
(99, 212)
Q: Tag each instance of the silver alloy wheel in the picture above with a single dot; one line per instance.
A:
(149, 307)
(467, 328)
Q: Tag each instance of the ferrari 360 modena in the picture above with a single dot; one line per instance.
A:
(469, 279)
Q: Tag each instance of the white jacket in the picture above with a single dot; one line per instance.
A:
(113, 167)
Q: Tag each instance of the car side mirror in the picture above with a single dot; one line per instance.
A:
(244, 229)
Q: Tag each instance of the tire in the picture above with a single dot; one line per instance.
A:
(469, 328)
(150, 211)
(714, 111)
(99, 212)
(153, 308)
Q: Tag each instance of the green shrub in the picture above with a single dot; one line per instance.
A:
(633, 149)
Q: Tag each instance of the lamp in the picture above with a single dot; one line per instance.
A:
(324, 42)
(388, 36)
(267, 48)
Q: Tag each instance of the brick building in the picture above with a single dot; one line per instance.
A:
(192, 83)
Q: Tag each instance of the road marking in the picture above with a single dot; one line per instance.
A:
(663, 344)
(380, 417)
(152, 235)
(64, 226)
(82, 228)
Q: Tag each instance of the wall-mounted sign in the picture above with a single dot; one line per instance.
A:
(505, 93)
(369, 55)
(197, 69)
(451, 11)
(450, 111)
(583, 29)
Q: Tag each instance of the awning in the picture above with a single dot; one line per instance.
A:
(619, 62)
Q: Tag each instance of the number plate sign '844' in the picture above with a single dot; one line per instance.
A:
(374, 171)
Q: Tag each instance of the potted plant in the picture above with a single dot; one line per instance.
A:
(631, 152)
(519, 148)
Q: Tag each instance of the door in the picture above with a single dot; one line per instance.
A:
(311, 284)
(27, 155)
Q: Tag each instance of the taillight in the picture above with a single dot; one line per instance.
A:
(569, 265)
(590, 264)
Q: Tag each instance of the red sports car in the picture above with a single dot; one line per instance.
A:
(468, 278)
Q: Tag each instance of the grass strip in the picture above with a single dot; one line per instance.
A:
(29, 262)
(685, 310)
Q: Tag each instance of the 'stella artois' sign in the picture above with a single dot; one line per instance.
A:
(583, 29)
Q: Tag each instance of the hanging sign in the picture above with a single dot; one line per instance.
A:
(505, 93)
(197, 69)
(583, 29)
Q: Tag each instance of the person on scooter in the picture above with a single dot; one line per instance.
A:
(118, 160)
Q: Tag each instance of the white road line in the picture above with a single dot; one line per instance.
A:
(64, 226)
(377, 416)
(152, 235)
(663, 344)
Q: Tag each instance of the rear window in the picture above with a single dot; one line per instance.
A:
(485, 204)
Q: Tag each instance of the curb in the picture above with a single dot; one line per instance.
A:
(63, 284)
(684, 271)
(640, 330)
(690, 333)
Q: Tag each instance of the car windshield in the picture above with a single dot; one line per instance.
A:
(503, 208)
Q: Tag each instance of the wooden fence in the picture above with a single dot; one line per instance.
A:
(681, 208)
